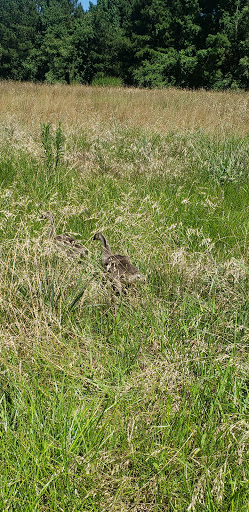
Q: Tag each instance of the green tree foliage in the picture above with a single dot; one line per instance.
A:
(109, 48)
(54, 53)
(19, 22)
(82, 41)
(223, 56)
(165, 40)
(152, 43)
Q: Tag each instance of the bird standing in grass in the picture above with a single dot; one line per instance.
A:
(64, 241)
(120, 267)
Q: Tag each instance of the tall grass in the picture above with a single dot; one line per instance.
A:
(137, 402)
(94, 109)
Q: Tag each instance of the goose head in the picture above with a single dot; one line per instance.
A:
(47, 216)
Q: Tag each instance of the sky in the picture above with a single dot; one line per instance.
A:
(85, 3)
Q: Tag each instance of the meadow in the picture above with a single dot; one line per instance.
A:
(144, 408)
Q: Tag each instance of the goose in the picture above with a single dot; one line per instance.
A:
(120, 267)
(65, 241)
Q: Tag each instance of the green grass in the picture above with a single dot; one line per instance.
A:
(146, 409)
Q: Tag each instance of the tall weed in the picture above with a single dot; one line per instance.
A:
(52, 145)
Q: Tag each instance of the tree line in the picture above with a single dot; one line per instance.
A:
(146, 43)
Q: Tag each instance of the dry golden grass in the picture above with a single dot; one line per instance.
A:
(25, 105)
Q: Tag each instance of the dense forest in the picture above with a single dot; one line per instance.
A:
(146, 43)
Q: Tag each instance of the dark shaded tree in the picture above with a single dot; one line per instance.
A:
(152, 43)
(19, 24)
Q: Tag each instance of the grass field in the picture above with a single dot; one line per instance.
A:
(146, 409)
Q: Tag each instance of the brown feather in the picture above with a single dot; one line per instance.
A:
(65, 241)
(119, 266)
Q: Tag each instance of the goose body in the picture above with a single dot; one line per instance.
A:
(65, 241)
(120, 267)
